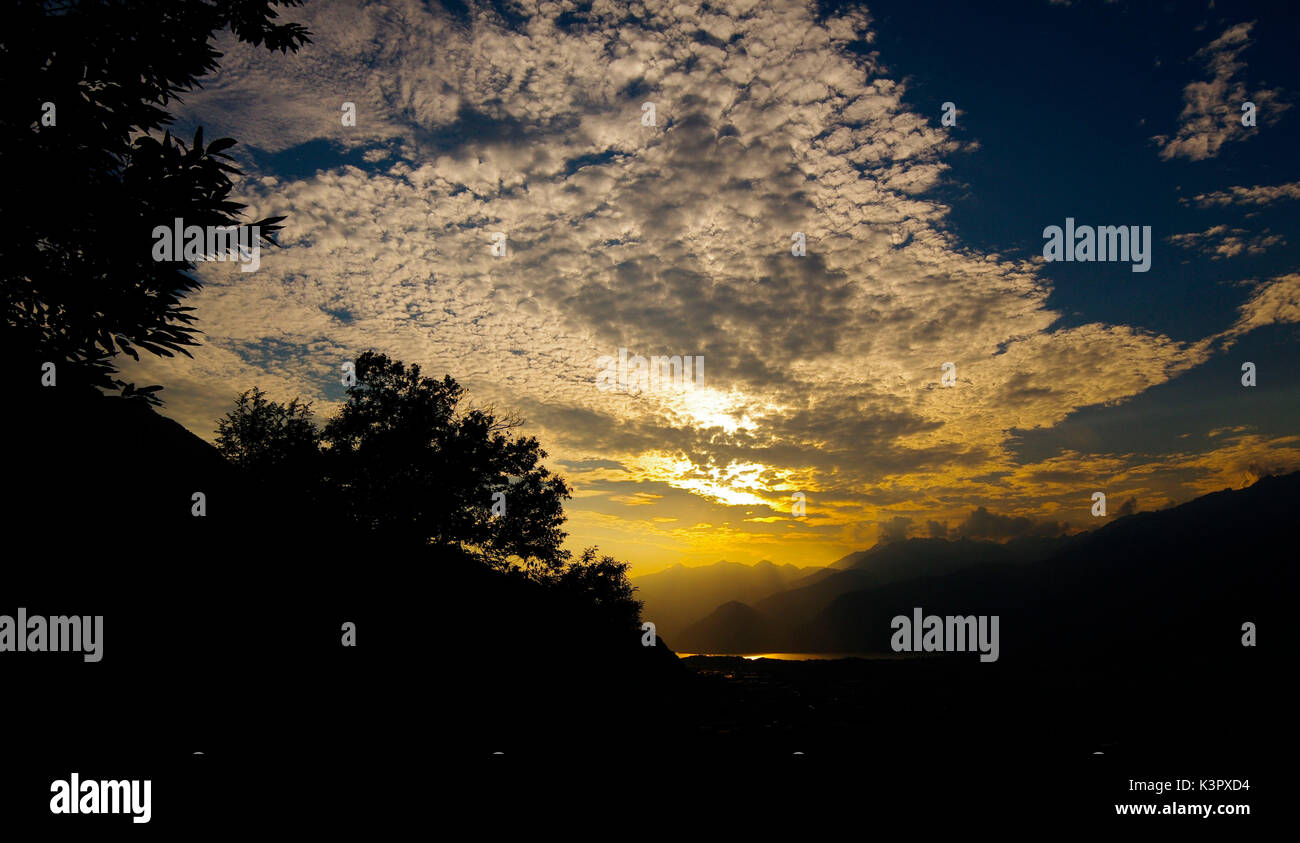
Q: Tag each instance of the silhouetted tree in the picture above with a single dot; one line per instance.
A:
(267, 438)
(408, 462)
(604, 583)
(78, 281)
(402, 464)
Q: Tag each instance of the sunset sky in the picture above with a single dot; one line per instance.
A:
(821, 373)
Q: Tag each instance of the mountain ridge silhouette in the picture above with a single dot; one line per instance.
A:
(849, 610)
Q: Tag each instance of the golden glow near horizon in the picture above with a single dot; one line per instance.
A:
(781, 224)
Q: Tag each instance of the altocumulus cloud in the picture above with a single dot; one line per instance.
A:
(822, 372)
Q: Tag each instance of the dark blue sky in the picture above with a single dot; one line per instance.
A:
(1064, 101)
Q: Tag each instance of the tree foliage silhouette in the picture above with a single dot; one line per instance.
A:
(402, 458)
(78, 282)
(268, 438)
(604, 582)
(412, 464)
(405, 466)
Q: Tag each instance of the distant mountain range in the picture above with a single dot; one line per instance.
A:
(776, 620)
(679, 596)
(1190, 573)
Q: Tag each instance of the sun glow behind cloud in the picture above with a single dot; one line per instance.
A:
(735, 484)
(705, 407)
(822, 371)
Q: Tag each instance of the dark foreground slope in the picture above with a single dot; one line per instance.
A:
(1127, 640)
(223, 632)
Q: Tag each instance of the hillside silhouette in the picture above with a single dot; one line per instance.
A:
(1177, 578)
(733, 627)
(225, 630)
(677, 597)
(1126, 640)
(1181, 580)
(784, 613)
